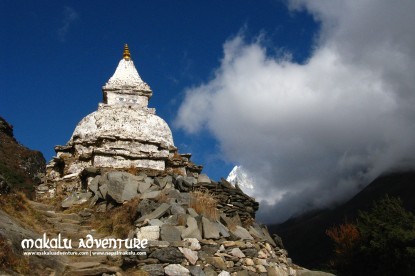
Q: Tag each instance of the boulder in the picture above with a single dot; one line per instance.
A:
(177, 209)
(192, 230)
(76, 199)
(161, 210)
(93, 185)
(189, 254)
(168, 255)
(196, 271)
(217, 262)
(145, 207)
(150, 194)
(176, 269)
(192, 243)
(122, 186)
(210, 230)
(154, 269)
(103, 191)
(143, 186)
(203, 178)
(150, 233)
(169, 233)
(241, 233)
(237, 253)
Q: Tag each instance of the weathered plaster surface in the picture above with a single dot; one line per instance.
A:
(122, 123)
(126, 75)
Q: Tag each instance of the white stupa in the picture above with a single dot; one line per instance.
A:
(123, 133)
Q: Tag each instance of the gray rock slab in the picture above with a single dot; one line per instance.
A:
(103, 190)
(156, 222)
(169, 233)
(242, 233)
(154, 269)
(255, 233)
(217, 262)
(143, 186)
(203, 178)
(268, 237)
(189, 254)
(192, 212)
(177, 209)
(196, 271)
(184, 199)
(76, 199)
(224, 231)
(161, 182)
(161, 210)
(160, 244)
(93, 186)
(146, 207)
(209, 271)
(191, 243)
(210, 230)
(150, 194)
(122, 186)
(237, 252)
(150, 233)
(149, 180)
(176, 269)
(192, 230)
(168, 255)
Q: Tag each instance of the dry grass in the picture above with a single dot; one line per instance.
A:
(204, 204)
(55, 201)
(118, 221)
(232, 222)
(17, 205)
(11, 261)
(77, 208)
(162, 198)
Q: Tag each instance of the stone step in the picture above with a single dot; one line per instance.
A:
(71, 221)
(71, 216)
(41, 206)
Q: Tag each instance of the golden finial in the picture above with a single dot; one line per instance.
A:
(126, 55)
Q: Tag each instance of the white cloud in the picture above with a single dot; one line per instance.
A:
(70, 15)
(311, 134)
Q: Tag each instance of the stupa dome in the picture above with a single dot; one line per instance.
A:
(122, 124)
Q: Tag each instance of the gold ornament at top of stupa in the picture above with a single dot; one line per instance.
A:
(126, 55)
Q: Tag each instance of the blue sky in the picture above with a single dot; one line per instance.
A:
(313, 98)
(56, 55)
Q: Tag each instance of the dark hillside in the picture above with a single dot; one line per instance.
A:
(19, 166)
(304, 237)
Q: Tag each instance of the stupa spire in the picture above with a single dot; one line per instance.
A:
(126, 55)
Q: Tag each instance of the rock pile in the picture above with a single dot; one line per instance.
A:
(182, 241)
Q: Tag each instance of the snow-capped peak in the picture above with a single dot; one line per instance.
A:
(241, 177)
